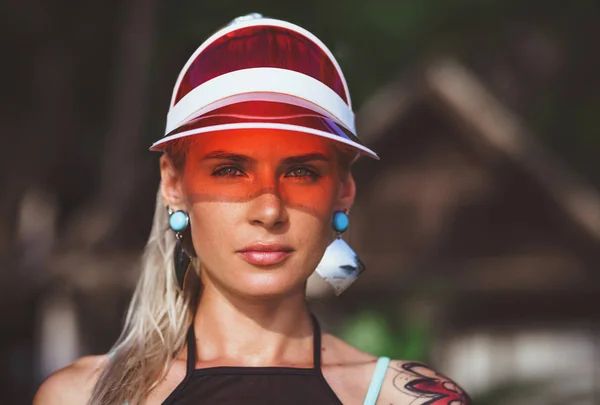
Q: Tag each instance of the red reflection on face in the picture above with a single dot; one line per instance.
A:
(249, 187)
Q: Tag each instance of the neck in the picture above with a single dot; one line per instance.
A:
(242, 331)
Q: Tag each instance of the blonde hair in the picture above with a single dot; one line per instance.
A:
(159, 314)
(158, 318)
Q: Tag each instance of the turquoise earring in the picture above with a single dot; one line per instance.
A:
(340, 222)
(179, 221)
(340, 266)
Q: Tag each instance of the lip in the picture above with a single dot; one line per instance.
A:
(265, 254)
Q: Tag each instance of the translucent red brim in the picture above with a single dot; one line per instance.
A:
(266, 115)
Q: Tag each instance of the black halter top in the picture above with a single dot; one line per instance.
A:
(229, 385)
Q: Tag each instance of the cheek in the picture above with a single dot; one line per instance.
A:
(315, 199)
(310, 215)
(213, 225)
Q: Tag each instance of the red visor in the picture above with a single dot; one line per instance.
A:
(262, 73)
(267, 115)
(259, 47)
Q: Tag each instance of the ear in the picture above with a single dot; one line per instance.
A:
(171, 185)
(346, 193)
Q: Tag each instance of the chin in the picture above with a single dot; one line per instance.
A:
(265, 282)
(269, 285)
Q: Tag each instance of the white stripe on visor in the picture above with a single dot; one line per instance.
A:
(261, 42)
(261, 80)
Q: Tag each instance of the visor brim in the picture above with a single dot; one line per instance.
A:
(266, 115)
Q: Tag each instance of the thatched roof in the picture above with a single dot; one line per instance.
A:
(466, 193)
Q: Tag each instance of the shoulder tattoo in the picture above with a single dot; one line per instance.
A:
(426, 386)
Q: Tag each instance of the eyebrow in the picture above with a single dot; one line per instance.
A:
(305, 158)
(223, 155)
(235, 157)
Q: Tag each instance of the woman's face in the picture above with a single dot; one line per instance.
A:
(260, 204)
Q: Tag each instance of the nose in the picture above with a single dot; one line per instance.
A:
(268, 210)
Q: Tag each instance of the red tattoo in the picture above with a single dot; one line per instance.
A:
(439, 389)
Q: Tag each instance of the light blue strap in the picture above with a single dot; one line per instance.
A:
(377, 380)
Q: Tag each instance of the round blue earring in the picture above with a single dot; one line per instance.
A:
(340, 221)
(179, 221)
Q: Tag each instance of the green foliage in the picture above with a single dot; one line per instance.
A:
(375, 332)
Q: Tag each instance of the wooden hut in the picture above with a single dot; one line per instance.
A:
(471, 222)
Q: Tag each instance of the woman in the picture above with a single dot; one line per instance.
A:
(255, 188)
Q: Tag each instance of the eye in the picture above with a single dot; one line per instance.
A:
(302, 172)
(228, 171)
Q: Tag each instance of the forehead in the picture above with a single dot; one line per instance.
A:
(260, 143)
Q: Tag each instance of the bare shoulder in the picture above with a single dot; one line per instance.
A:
(349, 371)
(71, 385)
(346, 369)
(417, 384)
(338, 351)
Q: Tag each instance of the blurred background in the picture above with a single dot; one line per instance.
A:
(479, 227)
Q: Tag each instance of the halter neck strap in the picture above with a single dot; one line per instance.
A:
(191, 351)
(316, 342)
